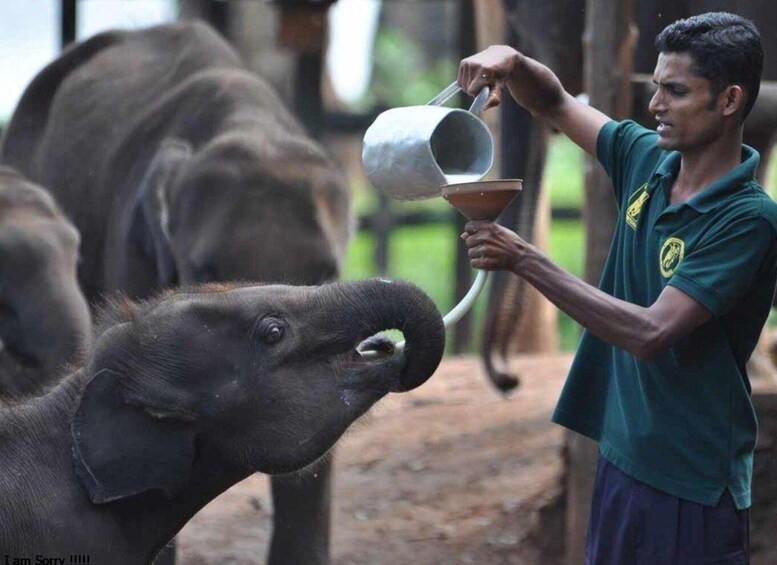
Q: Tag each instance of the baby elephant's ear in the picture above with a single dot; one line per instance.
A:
(121, 450)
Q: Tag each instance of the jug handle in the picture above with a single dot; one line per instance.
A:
(453, 89)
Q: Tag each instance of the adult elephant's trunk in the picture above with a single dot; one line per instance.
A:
(48, 328)
(364, 308)
(55, 323)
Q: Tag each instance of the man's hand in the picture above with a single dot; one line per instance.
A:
(488, 68)
(642, 331)
(534, 87)
(531, 84)
(492, 247)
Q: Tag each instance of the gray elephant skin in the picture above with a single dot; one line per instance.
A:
(186, 394)
(179, 166)
(44, 318)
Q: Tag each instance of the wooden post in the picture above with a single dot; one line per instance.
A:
(68, 19)
(381, 229)
(462, 331)
(214, 12)
(609, 42)
(303, 29)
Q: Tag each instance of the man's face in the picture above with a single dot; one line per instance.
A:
(688, 117)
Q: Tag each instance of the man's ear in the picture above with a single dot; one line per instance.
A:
(123, 449)
(733, 99)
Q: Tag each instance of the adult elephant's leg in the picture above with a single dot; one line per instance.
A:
(301, 519)
(524, 147)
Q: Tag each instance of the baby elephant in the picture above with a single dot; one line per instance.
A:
(189, 393)
(44, 317)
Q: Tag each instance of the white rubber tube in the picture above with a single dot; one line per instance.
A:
(466, 303)
(450, 319)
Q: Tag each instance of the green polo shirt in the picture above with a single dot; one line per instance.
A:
(682, 422)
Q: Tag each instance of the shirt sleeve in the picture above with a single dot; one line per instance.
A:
(618, 148)
(723, 266)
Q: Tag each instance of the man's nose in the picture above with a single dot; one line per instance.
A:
(656, 104)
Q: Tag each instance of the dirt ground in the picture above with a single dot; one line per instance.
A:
(449, 473)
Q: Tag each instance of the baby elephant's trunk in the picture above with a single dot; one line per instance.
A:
(367, 307)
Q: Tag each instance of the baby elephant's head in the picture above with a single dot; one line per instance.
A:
(262, 378)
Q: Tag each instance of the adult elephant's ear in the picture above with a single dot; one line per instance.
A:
(122, 449)
(151, 224)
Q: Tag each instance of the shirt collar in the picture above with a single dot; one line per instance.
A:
(713, 194)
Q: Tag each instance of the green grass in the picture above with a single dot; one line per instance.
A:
(567, 248)
(564, 182)
(416, 253)
(771, 175)
(564, 173)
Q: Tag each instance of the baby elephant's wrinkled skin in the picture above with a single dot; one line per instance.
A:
(189, 393)
(180, 166)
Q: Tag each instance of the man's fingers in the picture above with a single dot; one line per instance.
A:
(473, 226)
(475, 241)
(477, 252)
(482, 263)
(494, 99)
(468, 73)
(472, 77)
(463, 76)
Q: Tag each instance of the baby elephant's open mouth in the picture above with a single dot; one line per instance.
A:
(372, 350)
(377, 346)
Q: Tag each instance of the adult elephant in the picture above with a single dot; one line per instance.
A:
(188, 393)
(44, 318)
(179, 166)
(552, 32)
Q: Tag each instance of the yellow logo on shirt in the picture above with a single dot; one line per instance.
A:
(672, 253)
(636, 203)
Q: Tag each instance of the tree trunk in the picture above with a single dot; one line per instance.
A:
(537, 330)
(609, 42)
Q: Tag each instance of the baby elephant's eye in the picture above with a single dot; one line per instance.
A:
(270, 330)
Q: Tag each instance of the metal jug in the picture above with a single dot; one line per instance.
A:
(409, 153)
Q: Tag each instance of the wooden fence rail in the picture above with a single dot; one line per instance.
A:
(383, 221)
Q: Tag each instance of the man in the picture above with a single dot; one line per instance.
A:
(659, 378)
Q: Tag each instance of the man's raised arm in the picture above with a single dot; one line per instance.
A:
(535, 87)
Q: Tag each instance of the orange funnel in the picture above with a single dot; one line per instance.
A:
(482, 200)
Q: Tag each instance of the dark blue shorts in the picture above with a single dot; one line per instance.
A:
(632, 523)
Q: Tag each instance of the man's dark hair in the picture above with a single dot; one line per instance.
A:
(726, 49)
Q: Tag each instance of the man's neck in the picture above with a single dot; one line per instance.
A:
(699, 169)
